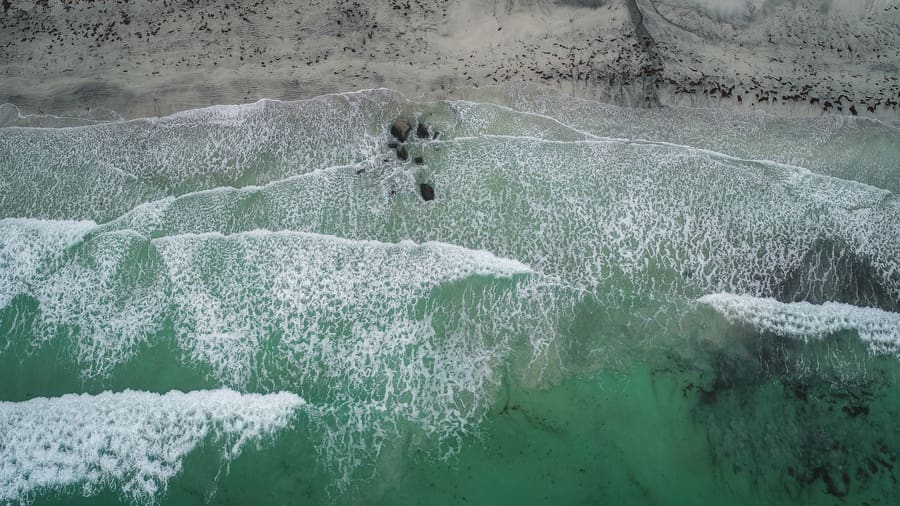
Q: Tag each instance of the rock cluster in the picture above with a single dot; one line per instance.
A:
(400, 130)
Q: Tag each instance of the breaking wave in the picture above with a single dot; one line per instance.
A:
(132, 442)
(802, 320)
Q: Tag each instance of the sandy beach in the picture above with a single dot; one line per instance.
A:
(109, 59)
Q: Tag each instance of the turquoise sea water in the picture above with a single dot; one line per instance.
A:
(601, 305)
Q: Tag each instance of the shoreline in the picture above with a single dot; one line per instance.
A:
(104, 60)
(11, 115)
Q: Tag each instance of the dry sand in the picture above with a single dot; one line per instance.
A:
(110, 58)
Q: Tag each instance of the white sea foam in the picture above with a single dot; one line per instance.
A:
(29, 247)
(103, 292)
(361, 326)
(109, 300)
(126, 163)
(605, 210)
(133, 442)
(233, 291)
(383, 334)
(847, 147)
(230, 293)
(615, 214)
(881, 329)
(101, 171)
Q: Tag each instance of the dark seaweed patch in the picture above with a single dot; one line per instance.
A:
(798, 416)
(593, 4)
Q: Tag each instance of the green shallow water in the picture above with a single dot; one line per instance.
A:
(597, 308)
(637, 438)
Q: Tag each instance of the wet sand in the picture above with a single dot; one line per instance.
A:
(107, 59)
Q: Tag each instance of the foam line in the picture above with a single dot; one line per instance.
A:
(848, 147)
(211, 110)
(802, 320)
(795, 169)
(146, 216)
(131, 441)
(483, 262)
(589, 137)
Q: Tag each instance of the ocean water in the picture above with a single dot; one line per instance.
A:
(601, 305)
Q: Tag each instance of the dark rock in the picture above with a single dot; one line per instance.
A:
(427, 191)
(400, 129)
(402, 153)
(434, 135)
(422, 131)
(419, 160)
(853, 110)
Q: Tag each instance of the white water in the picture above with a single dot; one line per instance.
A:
(802, 320)
(131, 442)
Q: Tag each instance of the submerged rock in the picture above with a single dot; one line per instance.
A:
(427, 191)
(402, 153)
(419, 160)
(400, 129)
